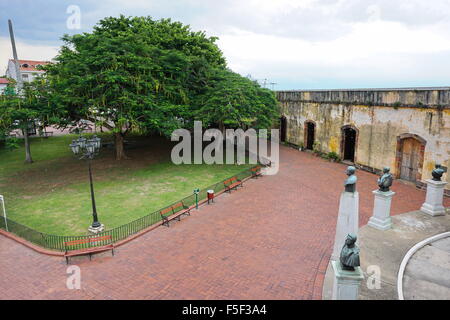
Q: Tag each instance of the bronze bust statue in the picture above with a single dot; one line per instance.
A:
(350, 183)
(437, 172)
(349, 257)
(385, 181)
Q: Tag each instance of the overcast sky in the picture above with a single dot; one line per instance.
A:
(297, 44)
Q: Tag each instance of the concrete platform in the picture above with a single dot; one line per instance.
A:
(427, 275)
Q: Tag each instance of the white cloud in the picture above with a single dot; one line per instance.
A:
(300, 43)
(376, 49)
(25, 51)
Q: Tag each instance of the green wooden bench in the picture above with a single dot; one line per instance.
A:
(174, 212)
(232, 183)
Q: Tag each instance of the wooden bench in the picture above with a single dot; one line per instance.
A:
(256, 172)
(90, 250)
(232, 183)
(47, 134)
(174, 212)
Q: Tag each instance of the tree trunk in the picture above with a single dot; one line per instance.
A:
(222, 128)
(28, 158)
(120, 152)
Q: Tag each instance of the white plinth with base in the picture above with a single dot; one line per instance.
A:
(347, 220)
(96, 230)
(346, 283)
(381, 217)
(435, 197)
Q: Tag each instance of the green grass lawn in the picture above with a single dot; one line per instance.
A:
(52, 195)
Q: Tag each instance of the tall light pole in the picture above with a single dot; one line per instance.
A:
(88, 149)
(19, 80)
(16, 59)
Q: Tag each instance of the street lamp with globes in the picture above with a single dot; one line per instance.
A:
(88, 149)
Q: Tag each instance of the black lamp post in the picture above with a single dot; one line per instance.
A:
(88, 149)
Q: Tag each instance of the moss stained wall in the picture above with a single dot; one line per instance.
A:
(380, 116)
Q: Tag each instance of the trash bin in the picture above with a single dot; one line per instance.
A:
(210, 195)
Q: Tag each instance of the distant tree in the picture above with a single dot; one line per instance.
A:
(22, 111)
(233, 101)
(133, 74)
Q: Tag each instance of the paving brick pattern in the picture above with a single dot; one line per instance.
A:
(271, 239)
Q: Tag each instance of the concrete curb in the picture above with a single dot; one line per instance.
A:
(408, 256)
(48, 252)
(36, 248)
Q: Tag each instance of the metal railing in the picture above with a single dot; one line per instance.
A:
(55, 242)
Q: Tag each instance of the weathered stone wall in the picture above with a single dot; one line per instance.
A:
(380, 116)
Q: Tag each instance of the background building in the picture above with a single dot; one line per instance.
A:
(3, 84)
(28, 68)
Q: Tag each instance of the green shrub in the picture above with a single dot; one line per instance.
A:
(12, 143)
(332, 156)
(316, 147)
(396, 105)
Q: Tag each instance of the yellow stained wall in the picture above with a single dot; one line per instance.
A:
(378, 128)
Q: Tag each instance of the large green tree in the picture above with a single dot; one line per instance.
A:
(233, 101)
(133, 73)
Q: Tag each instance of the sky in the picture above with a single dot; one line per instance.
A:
(293, 44)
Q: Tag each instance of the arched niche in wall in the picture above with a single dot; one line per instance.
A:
(349, 143)
(409, 157)
(283, 129)
(309, 134)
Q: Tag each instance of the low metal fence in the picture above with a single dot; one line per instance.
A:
(55, 242)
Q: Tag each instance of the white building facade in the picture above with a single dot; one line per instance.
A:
(29, 69)
(3, 84)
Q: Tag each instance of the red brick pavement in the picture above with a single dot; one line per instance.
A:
(270, 240)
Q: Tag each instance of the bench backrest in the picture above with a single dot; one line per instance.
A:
(166, 211)
(230, 181)
(177, 207)
(101, 238)
(75, 242)
(88, 240)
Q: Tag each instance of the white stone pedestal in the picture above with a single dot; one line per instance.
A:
(435, 196)
(381, 217)
(346, 283)
(96, 230)
(347, 221)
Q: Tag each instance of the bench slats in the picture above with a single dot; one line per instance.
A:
(170, 213)
(231, 183)
(89, 250)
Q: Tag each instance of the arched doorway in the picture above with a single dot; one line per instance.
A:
(283, 128)
(309, 136)
(410, 154)
(348, 143)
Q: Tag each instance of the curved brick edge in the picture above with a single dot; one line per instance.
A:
(319, 278)
(117, 244)
(30, 245)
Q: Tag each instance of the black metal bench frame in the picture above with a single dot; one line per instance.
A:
(90, 250)
(170, 213)
(230, 185)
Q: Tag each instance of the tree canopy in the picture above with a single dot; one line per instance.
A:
(135, 73)
(22, 111)
(233, 101)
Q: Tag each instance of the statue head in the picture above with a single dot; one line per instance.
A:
(350, 240)
(349, 256)
(386, 169)
(437, 172)
(350, 170)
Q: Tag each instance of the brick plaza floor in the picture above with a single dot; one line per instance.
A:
(271, 239)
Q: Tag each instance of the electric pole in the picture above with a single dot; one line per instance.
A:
(16, 59)
(26, 124)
